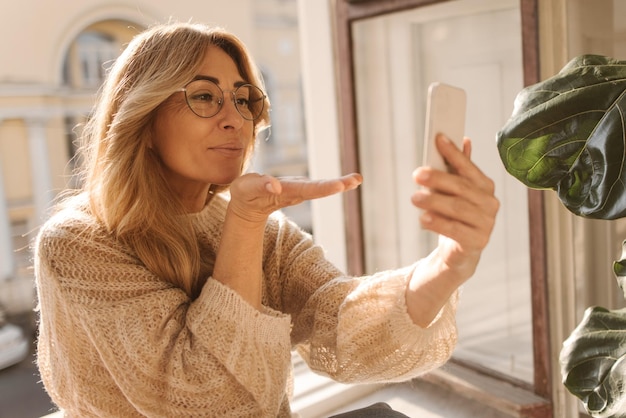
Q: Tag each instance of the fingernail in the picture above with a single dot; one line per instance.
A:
(422, 174)
(419, 196)
(270, 188)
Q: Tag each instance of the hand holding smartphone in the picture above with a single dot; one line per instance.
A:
(445, 114)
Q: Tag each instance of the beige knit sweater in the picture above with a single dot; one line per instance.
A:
(117, 341)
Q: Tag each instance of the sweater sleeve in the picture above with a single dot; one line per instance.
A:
(113, 334)
(357, 329)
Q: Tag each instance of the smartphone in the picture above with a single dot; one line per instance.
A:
(445, 114)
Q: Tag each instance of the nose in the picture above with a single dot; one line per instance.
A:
(229, 112)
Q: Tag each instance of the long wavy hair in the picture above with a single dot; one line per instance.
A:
(123, 177)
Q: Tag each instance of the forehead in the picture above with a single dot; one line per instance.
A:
(219, 65)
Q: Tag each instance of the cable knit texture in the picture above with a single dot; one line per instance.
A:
(117, 341)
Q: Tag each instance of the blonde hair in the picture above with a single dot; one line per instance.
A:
(123, 177)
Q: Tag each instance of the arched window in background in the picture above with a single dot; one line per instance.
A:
(86, 60)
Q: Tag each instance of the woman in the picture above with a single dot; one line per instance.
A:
(162, 295)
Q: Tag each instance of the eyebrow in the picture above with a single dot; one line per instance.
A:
(216, 80)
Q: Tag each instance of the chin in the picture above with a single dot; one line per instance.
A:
(224, 180)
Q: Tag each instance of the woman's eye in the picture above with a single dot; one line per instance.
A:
(243, 101)
(204, 97)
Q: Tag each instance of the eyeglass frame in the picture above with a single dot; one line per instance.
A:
(222, 99)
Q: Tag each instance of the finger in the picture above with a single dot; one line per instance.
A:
(273, 185)
(314, 189)
(459, 160)
(457, 219)
(351, 181)
(341, 184)
(462, 202)
(253, 185)
(467, 147)
(454, 183)
(469, 237)
(480, 214)
(311, 189)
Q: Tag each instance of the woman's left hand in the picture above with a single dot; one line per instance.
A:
(461, 207)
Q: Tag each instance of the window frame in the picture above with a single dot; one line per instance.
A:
(345, 13)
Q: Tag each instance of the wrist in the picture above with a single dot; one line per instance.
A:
(245, 219)
(430, 286)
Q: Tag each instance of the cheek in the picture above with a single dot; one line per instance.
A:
(251, 145)
(168, 127)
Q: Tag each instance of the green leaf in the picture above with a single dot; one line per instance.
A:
(593, 358)
(568, 133)
(619, 268)
(593, 362)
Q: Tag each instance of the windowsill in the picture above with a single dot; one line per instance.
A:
(496, 393)
(316, 395)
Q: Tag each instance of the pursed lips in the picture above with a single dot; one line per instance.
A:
(231, 150)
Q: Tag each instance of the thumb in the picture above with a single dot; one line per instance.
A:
(272, 185)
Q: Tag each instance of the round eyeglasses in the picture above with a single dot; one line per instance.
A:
(206, 99)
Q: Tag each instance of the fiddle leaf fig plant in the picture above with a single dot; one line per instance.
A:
(593, 358)
(568, 134)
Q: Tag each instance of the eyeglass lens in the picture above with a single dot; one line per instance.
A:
(205, 99)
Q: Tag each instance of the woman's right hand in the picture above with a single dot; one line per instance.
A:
(254, 196)
(239, 260)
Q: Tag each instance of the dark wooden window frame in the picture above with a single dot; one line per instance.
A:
(517, 398)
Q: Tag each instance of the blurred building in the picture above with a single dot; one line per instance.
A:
(54, 61)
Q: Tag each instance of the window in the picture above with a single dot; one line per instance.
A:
(396, 57)
(389, 54)
(87, 58)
